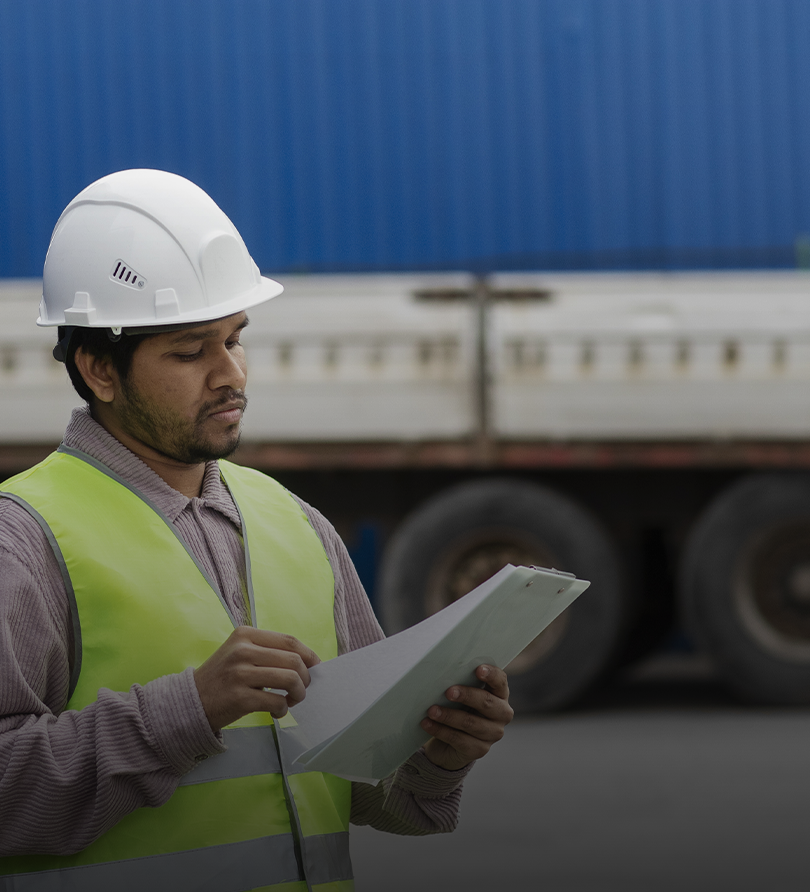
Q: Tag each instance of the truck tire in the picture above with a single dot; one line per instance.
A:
(462, 536)
(745, 587)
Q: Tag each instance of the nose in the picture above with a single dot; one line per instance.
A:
(229, 369)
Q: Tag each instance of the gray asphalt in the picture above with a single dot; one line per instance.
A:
(651, 789)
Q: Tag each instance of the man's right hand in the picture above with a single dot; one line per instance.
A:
(232, 681)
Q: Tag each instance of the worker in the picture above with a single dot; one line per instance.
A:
(161, 607)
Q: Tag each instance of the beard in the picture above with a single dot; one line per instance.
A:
(175, 437)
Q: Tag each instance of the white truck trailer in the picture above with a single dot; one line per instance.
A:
(646, 431)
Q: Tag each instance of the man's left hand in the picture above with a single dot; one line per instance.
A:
(461, 736)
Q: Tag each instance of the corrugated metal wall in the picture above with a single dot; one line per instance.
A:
(417, 134)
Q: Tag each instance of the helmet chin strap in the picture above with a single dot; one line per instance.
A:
(60, 351)
(61, 348)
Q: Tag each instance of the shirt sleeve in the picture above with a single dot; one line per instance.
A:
(419, 798)
(67, 776)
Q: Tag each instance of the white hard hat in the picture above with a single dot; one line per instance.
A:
(144, 248)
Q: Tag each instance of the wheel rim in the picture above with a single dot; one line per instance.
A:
(772, 591)
(477, 556)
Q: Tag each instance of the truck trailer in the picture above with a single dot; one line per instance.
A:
(646, 431)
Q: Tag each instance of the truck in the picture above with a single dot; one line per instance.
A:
(647, 431)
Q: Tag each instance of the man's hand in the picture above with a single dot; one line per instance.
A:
(462, 735)
(232, 681)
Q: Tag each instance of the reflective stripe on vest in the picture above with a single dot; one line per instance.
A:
(145, 608)
(226, 868)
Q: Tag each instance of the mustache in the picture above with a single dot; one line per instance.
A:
(232, 399)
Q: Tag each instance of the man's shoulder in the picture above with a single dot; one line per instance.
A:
(321, 524)
(10, 484)
(259, 481)
(245, 472)
(243, 480)
(20, 535)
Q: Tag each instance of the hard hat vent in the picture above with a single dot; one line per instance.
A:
(124, 274)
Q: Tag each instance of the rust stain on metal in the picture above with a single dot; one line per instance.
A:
(517, 455)
(497, 454)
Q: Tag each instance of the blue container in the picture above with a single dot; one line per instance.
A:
(424, 134)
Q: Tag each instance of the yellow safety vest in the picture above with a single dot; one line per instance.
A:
(143, 607)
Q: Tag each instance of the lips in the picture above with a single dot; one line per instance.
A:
(230, 413)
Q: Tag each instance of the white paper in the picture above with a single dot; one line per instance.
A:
(360, 719)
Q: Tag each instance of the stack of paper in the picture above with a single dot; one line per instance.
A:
(360, 718)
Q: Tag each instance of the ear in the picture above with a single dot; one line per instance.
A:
(98, 373)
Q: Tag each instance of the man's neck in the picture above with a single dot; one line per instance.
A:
(185, 478)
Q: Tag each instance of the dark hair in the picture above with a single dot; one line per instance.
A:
(98, 342)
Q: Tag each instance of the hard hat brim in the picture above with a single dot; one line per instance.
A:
(265, 290)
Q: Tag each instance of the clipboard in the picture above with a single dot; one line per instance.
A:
(360, 718)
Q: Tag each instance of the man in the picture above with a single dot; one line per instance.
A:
(160, 607)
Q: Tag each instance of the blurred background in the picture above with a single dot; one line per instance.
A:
(547, 272)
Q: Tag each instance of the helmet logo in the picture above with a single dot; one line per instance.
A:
(126, 275)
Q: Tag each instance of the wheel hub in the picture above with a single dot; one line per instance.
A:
(772, 590)
(474, 560)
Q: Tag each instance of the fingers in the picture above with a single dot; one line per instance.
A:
(464, 740)
(279, 641)
(270, 660)
(247, 700)
(462, 735)
(485, 717)
(492, 701)
(235, 679)
(495, 679)
(267, 667)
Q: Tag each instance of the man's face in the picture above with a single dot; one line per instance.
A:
(184, 395)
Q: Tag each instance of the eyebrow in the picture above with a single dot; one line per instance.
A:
(202, 334)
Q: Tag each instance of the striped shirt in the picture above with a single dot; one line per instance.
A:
(68, 776)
